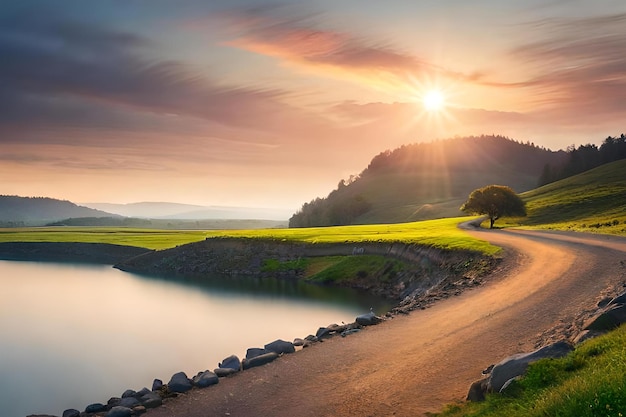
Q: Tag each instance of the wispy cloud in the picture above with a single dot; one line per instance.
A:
(300, 39)
(579, 64)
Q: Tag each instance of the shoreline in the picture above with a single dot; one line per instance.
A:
(105, 254)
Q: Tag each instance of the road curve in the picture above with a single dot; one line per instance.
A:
(415, 364)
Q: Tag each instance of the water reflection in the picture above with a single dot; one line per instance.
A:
(269, 288)
(78, 334)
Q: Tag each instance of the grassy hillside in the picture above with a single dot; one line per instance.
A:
(442, 233)
(587, 383)
(427, 181)
(594, 201)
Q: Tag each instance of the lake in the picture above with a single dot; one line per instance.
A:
(76, 334)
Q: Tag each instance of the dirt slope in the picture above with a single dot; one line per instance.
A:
(415, 364)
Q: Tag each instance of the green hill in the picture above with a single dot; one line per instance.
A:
(594, 201)
(427, 181)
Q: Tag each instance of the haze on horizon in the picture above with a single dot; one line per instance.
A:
(269, 104)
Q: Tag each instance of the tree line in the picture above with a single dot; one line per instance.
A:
(490, 155)
(584, 158)
(334, 210)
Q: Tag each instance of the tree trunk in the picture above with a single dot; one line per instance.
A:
(491, 221)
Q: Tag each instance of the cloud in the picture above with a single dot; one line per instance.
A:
(298, 39)
(54, 69)
(579, 65)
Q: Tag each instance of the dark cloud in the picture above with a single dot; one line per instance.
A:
(49, 67)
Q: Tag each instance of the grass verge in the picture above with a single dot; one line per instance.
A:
(590, 382)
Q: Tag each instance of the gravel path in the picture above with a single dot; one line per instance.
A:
(415, 364)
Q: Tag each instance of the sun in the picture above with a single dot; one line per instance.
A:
(434, 100)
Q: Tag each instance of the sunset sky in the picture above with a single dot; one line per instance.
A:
(270, 104)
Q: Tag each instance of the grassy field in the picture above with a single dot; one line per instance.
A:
(144, 238)
(441, 233)
(594, 201)
(590, 382)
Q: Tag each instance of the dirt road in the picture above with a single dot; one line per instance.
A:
(415, 364)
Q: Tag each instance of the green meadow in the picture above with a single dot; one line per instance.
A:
(594, 201)
(144, 238)
(442, 233)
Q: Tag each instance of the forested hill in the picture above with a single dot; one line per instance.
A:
(428, 180)
(37, 211)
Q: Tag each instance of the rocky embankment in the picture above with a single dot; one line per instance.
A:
(100, 253)
(426, 267)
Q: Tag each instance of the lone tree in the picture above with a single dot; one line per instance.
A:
(495, 201)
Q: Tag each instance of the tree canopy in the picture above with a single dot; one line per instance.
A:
(494, 201)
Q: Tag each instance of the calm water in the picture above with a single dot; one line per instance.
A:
(71, 335)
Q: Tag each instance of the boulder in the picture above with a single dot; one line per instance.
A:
(71, 412)
(349, 332)
(337, 328)
(259, 360)
(477, 390)
(254, 352)
(179, 383)
(151, 400)
(95, 408)
(368, 319)
(608, 318)
(139, 409)
(113, 401)
(322, 332)
(118, 411)
(280, 346)
(205, 379)
(231, 362)
(142, 392)
(129, 393)
(157, 384)
(516, 365)
(298, 342)
(222, 372)
(128, 402)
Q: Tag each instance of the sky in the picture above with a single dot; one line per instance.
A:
(270, 104)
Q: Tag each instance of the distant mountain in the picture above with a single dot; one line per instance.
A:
(428, 180)
(37, 211)
(146, 210)
(164, 210)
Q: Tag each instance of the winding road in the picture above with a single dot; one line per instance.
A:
(411, 365)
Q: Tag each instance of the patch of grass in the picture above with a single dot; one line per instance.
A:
(362, 268)
(275, 265)
(589, 382)
(442, 233)
(594, 201)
